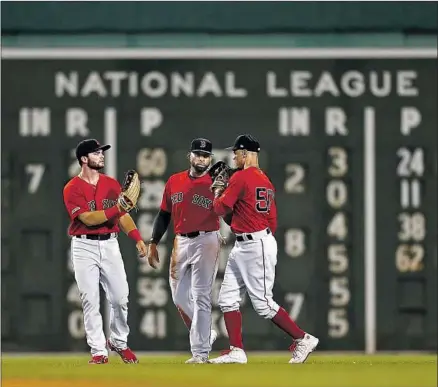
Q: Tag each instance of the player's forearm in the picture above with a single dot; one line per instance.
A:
(220, 208)
(94, 218)
(161, 223)
(128, 226)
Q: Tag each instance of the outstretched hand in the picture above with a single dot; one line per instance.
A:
(142, 249)
(152, 255)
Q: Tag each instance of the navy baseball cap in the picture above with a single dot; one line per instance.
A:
(201, 145)
(89, 146)
(247, 142)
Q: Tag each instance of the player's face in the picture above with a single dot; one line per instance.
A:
(200, 161)
(239, 158)
(96, 160)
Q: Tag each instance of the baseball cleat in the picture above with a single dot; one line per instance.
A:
(98, 359)
(233, 356)
(126, 354)
(302, 348)
(213, 336)
(197, 360)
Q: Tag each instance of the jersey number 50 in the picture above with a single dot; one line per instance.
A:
(264, 198)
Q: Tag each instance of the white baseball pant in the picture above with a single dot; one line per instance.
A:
(192, 272)
(251, 268)
(97, 262)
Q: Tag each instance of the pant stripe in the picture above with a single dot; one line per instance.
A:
(173, 257)
(264, 278)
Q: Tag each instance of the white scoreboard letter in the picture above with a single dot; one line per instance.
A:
(294, 121)
(335, 122)
(76, 122)
(410, 119)
(34, 122)
(151, 118)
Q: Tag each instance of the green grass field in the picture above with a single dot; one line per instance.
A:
(320, 370)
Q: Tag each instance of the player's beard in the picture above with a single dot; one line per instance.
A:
(96, 166)
(200, 168)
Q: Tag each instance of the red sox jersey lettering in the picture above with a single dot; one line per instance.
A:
(190, 202)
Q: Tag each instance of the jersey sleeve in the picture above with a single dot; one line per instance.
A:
(74, 201)
(272, 216)
(118, 187)
(225, 203)
(166, 203)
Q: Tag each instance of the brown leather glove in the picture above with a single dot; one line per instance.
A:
(152, 255)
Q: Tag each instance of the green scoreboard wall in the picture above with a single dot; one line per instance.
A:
(349, 138)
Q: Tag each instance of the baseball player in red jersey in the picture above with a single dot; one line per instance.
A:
(96, 219)
(250, 196)
(187, 198)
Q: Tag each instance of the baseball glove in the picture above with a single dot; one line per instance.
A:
(130, 191)
(216, 168)
(220, 172)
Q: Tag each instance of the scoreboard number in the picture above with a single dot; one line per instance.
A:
(411, 162)
(75, 323)
(295, 242)
(75, 320)
(296, 301)
(36, 172)
(151, 194)
(337, 227)
(337, 253)
(153, 324)
(151, 162)
(412, 226)
(339, 162)
(152, 292)
(409, 258)
(339, 291)
(337, 193)
(294, 183)
(338, 258)
(338, 323)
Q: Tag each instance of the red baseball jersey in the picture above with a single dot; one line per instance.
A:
(190, 202)
(251, 196)
(81, 196)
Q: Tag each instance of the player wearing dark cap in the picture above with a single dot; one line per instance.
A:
(91, 200)
(250, 196)
(187, 199)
